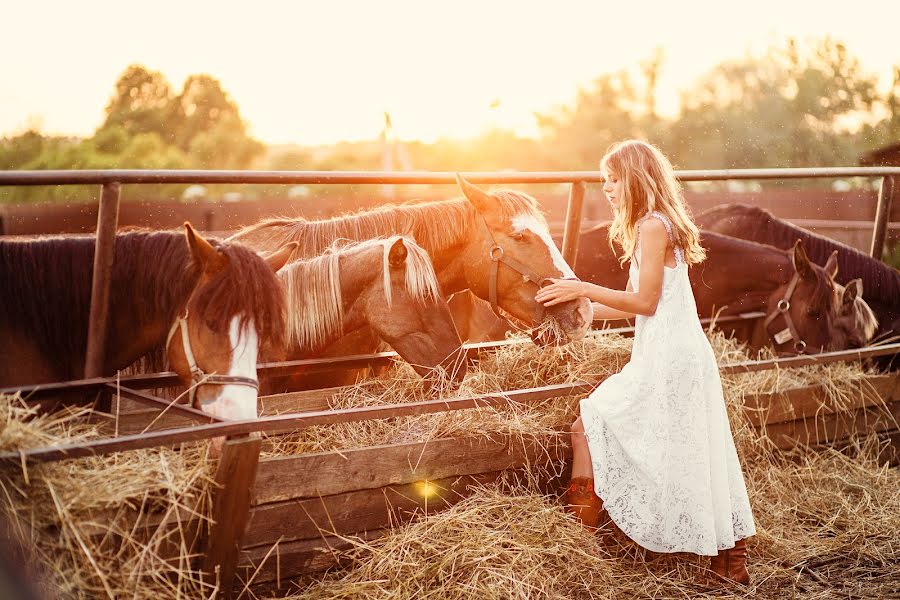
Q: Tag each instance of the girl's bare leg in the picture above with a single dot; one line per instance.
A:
(581, 453)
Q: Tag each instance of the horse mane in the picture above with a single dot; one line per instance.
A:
(47, 289)
(864, 318)
(435, 225)
(883, 282)
(314, 298)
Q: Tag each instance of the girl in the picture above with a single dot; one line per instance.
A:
(653, 441)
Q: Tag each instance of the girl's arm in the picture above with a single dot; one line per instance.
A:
(605, 313)
(654, 241)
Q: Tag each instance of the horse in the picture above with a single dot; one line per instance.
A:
(496, 244)
(208, 306)
(855, 270)
(799, 298)
(386, 284)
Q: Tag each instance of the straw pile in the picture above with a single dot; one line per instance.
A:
(826, 522)
(78, 519)
(592, 359)
(826, 529)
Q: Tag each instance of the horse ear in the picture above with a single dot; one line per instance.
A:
(397, 254)
(209, 259)
(853, 291)
(831, 265)
(478, 197)
(279, 258)
(801, 262)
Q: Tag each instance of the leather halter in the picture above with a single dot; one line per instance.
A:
(497, 256)
(199, 376)
(783, 309)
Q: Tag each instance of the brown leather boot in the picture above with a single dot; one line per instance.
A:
(584, 503)
(732, 563)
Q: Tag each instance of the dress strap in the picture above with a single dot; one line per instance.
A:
(679, 253)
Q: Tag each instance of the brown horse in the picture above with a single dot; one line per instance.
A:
(217, 302)
(740, 276)
(854, 269)
(388, 285)
(496, 244)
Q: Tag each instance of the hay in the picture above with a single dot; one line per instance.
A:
(520, 366)
(826, 522)
(827, 527)
(112, 526)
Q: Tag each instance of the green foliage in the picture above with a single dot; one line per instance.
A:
(146, 127)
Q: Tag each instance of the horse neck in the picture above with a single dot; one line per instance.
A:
(754, 272)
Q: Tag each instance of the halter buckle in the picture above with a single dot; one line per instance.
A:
(496, 252)
(784, 305)
(800, 346)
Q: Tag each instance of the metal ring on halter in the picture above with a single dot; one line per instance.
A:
(784, 305)
(800, 346)
(496, 252)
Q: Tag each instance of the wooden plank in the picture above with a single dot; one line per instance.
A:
(327, 473)
(827, 429)
(163, 405)
(289, 422)
(235, 476)
(352, 512)
(810, 401)
(265, 564)
(307, 400)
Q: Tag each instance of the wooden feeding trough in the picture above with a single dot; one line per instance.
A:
(278, 518)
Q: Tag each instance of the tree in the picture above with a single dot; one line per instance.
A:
(794, 107)
(607, 112)
(210, 128)
(141, 103)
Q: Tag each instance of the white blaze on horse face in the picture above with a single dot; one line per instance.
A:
(529, 222)
(238, 402)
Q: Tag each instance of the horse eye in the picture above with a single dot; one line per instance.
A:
(517, 236)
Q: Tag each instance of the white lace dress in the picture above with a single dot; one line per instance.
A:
(661, 447)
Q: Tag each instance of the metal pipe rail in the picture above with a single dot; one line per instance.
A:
(165, 176)
(111, 181)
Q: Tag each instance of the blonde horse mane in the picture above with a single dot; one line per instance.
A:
(313, 288)
(435, 225)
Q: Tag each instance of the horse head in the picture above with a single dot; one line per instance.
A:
(855, 324)
(801, 313)
(508, 257)
(388, 285)
(235, 309)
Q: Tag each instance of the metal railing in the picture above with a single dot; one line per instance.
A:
(111, 181)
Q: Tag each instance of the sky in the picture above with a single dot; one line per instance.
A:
(318, 72)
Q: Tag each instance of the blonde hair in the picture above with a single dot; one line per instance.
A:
(314, 300)
(649, 184)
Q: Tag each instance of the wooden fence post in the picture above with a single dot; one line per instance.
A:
(882, 216)
(572, 234)
(235, 477)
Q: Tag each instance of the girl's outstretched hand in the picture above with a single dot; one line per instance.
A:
(561, 290)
